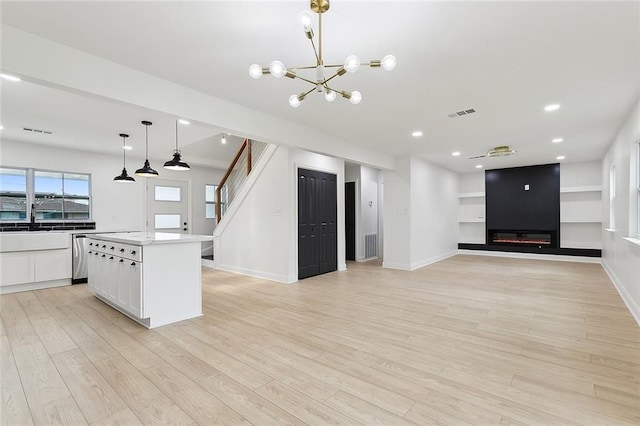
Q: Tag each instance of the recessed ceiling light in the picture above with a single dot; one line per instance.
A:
(551, 107)
(127, 147)
(478, 166)
(183, 121)
(10, 77)
(560, 157)
(417, 133)
(224, 139)
(557, 140)
(455, 154)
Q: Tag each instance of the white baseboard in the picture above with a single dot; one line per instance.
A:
(420, 264)
(253, 273)
(622, 291)
(34, 286)
(207, 263)
(537, 256)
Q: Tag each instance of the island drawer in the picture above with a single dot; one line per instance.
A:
(127, 251)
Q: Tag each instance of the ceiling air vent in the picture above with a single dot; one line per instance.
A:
(45, 132)
(461, 113)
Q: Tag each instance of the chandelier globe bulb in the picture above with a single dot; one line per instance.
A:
(352, 63)
(277, 69)
(255, 71)
(294, 101)
(388, 63)
(356, 97)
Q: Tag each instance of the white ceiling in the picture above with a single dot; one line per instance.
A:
(504, 59)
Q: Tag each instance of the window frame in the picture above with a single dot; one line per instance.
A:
(207, 202)
(612, 197)
(638, 189)
(31, 195)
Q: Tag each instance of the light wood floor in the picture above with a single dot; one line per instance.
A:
(469, 340)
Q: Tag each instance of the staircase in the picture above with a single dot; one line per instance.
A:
(243, 163)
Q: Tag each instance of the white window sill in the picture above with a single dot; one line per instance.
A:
(609, 229)
(635, 241)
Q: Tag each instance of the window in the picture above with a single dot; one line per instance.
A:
(210, 200)
(612, 197)
(168, 193)
(55, 196)
(638, 190)
(13, 194)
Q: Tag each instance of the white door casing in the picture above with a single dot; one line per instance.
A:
(168, 206)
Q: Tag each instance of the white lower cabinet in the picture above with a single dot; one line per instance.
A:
(117, 279)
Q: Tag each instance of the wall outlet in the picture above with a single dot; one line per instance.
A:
(526, 187)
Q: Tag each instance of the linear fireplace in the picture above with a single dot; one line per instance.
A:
(535, 238)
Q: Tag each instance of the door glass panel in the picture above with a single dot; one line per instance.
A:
(168, 193)
(167, 221)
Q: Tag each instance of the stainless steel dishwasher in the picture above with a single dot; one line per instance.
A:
(79, 259)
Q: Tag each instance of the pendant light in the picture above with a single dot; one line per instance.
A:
(124, 177)
(146, 170)
(176, 163)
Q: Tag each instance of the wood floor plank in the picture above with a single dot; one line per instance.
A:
(303, 407)
(363, 411)
(61, 411)
(14, 409)
(202, 406)
(95, 397)
(143, 397)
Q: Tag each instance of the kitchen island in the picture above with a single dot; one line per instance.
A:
(154, 278)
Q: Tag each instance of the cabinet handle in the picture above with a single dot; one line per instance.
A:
(121, 250)
(133, 252)
(90, 244)
(96, 253)
(111, 248)
(111, 258)
(90, 252)
(121, 260)
(104, 246)
(104, 255)
(133, 263)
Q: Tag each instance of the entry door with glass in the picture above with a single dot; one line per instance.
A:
(168, 206)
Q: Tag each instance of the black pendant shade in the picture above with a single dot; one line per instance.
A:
(146, 170)
(124, 177)
(176, 162)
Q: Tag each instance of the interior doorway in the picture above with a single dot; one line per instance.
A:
(317, 223)
(350, 220)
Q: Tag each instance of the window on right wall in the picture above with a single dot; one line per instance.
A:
(638, 190)
(612, 197)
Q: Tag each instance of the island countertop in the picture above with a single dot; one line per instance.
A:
(148, 238)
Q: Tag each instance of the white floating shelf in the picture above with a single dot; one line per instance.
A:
(471, 195)
(596, 188)
(472, 220)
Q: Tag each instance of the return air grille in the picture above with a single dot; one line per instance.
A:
(44, 132)
(461, 113)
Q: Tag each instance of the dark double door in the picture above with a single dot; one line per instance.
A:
(317, 223)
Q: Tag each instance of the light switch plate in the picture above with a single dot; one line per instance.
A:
(526, 187)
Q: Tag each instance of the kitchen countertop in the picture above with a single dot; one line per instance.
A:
(148, 238)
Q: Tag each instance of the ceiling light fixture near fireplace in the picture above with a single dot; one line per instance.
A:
(321, 82)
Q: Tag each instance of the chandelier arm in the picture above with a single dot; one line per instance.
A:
(310, 67)
(334, 66)
(315, 52)
(306, 93)
(307, 80)
(326, 80)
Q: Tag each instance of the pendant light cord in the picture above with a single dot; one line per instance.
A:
(146, 140)
(177, 150)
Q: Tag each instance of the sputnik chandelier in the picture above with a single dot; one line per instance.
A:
(321, 83)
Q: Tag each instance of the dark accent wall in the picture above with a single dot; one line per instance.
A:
(509, 206)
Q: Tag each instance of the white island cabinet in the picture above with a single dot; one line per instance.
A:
(154, 278)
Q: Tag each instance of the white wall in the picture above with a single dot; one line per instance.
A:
(420, 211)
(259, 236)
(114, 206)
(621, 258)
(434, 207)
